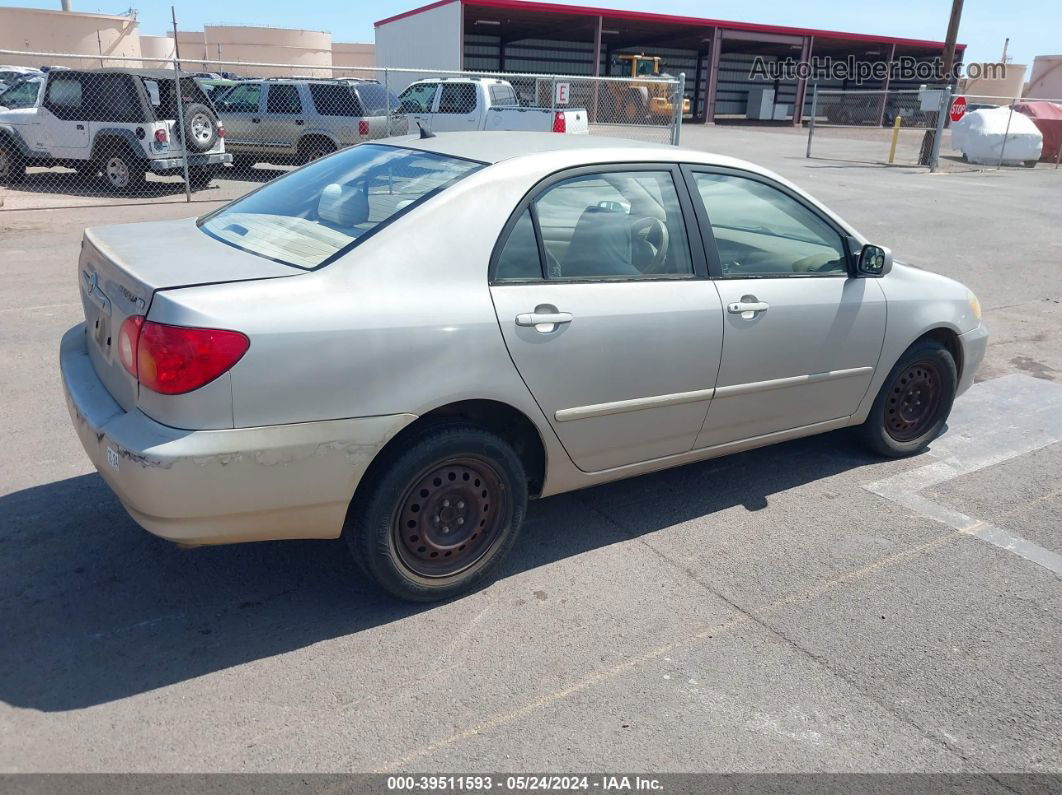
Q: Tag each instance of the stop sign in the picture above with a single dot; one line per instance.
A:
(958, 108)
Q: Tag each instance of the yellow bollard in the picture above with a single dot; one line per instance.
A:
(895, 137)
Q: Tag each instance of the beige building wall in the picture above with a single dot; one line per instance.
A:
(355, 56)
(95, 35)
(1045, 82)
(994, 90)
(192, 45)
(308, 51)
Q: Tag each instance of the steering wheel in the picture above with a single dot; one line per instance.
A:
(654, 232)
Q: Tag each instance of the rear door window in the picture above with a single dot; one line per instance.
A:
(459, 98)
(64, 97)
(283, 99)
(334, 100)
(503, 95)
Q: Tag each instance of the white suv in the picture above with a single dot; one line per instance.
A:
(121, 122)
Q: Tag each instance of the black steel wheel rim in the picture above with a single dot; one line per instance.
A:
(914, 401)
(451, 515)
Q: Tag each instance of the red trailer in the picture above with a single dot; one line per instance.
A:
(1047, 116)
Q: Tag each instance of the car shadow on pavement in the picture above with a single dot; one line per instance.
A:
(70, 183)
(95, 609)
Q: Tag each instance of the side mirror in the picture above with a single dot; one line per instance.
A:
(874, 261)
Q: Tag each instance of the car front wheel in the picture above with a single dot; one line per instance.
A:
(914, 402)
(122, 172)
(434, 518)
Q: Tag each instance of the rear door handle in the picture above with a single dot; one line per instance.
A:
(544, 321)
(298, 122)
(255, 121)
(747, 309)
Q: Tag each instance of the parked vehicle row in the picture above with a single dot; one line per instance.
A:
(459, 323)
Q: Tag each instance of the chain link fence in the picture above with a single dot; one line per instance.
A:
(141, 130)
(934, 128)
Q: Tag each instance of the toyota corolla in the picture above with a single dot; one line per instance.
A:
(404, 342)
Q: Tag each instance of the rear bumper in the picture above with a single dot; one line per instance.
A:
(218, 487)
(974, 345)
(194, 161)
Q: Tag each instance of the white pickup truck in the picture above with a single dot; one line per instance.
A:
(467, 103)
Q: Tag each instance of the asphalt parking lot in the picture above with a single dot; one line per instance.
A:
(804, 607)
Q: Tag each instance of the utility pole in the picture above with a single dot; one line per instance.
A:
(176, 43)
(949, 64)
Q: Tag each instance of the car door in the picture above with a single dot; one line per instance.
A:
(21, 110)
(240, 111)
(802, 336)
(607, 314)
(418, 103)
(283, 122)
(458, 108)
(63, 118)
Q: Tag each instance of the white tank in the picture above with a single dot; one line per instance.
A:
(311, 49)
(1045, 81)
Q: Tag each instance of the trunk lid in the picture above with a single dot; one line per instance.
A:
(121, 268)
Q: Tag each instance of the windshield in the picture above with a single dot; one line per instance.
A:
(312, 216)
(22, 94)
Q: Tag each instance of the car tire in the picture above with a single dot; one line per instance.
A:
(436, 516)
(200, 127)
(199, 178)
(914, 402)
(123, 172)
(87, 169)
(12, 164)
(315, 150)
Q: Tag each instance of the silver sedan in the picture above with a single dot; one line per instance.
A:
(404, 342)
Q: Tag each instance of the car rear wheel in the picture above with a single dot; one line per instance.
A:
(314, 150)
(435, 518)
(12, 165)
(122, 172)
(914, 402)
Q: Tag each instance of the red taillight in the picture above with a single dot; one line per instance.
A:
(559, 122)
(161, 136)
(175, 359)
(221, 131)
(363, 127)
(128, 336)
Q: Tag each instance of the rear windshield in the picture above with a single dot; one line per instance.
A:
(314, 215)
(375, 99)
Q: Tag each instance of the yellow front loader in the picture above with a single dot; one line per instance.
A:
(639, 100)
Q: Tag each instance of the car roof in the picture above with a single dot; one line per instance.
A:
(494, 146)
(153, 74)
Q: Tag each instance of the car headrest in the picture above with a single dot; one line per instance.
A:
(343, 205)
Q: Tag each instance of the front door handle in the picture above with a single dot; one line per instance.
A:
(544, 322)
(748, 307)
(299, 122)
(256, 121)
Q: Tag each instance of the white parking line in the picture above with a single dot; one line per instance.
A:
(995, 421)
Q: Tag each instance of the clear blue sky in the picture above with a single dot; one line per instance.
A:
(1032, 25)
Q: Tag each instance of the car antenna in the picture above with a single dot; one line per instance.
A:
(425, 133)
